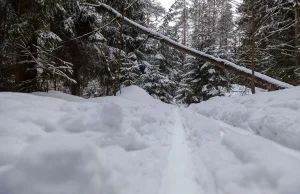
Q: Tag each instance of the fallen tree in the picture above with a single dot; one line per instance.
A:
(260, 78)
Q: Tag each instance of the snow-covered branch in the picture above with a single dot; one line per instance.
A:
(222, 63)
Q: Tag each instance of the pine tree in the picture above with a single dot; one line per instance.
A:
(268, 35)
(30, 43)
(6, 48)
(211, 33)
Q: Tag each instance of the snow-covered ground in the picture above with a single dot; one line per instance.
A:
(54, 143)
(240, 90)
(273, 115)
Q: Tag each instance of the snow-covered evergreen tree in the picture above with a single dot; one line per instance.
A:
(211, 33)
(268, 33)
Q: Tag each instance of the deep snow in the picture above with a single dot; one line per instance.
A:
(54, 143)
(273, 115)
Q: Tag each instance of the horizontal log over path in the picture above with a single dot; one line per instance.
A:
(222, 63)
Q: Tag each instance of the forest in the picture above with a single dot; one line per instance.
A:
(79, 48)
(128, 97)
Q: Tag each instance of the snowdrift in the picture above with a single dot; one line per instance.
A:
(54, 143)
(229, 160)
(273, 115)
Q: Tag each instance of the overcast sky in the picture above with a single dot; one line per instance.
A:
(166, 3)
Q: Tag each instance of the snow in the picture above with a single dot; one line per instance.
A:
(59, 95)
(72, 160)
(231, 161)
(273, 115)
(179, 176)
(50, 35)
(57, 143)
(97, 36)
(240, 90)
(159, 56)
(136, 94)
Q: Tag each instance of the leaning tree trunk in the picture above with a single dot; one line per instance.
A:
(264, 80)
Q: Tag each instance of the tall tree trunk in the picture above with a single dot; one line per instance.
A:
(214, 20)
(297, 33)
(253, 64)
(148, 19)
(200, 20)
(184, 23)
(75, 87)
(77, 60)
(252, 45)
(55, 83)
(118, 71)
(26, 72)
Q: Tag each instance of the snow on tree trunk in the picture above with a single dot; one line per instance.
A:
(266, 80)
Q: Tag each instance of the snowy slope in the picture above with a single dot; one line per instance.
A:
(53, 143)
(273, 115)
(63, 144)
(229, 160)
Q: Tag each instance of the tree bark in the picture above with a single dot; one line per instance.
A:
(26, 72)
(297, 33)
(184, 23)
(118, 71)
(253, 65)
(75, 87)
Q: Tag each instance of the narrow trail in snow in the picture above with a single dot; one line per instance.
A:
(178, 177)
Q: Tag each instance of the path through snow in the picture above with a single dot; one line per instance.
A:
(179, 177)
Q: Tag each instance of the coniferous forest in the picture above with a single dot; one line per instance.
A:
(83, 50)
